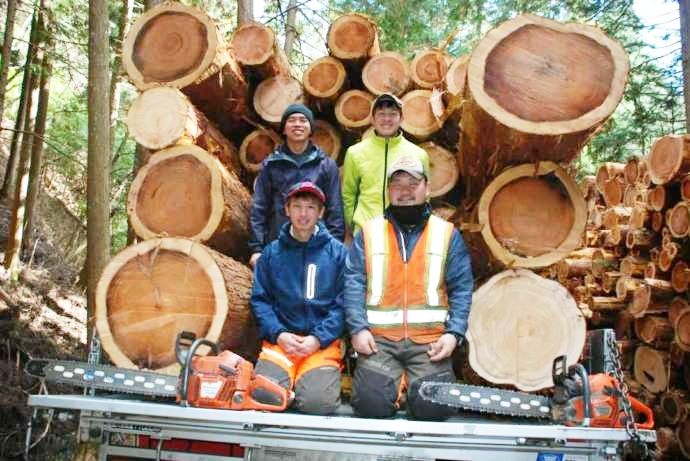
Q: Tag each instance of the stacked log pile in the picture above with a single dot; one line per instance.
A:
(633, 276)
(500, 127)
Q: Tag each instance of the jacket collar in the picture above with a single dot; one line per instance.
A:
(320, 237)
(284, 154)
(381, 141)
(425, 217)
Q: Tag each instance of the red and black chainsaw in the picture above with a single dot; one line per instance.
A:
(221, 380)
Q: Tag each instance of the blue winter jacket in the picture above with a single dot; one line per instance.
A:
(298, 287)
(281, 170)
(458, 277)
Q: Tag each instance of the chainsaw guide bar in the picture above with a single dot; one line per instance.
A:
(487, 400)
(104, 377)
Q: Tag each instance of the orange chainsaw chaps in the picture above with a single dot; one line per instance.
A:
(226, 381)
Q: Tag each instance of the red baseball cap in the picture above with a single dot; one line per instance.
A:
(307, 187)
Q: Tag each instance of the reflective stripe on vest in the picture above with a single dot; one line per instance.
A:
(377, 251)
(414, 316)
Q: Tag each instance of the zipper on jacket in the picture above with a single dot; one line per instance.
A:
(385, 174)
(404, 255)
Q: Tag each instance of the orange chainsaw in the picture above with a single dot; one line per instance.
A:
(222, 380)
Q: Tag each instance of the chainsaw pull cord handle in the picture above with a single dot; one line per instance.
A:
(580, 371)
(188, 364)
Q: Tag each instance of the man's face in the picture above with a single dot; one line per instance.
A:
(297, 128)
(406, 190)
(386, 121)
(303, 211)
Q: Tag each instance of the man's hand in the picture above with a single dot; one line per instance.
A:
(309, 345)
(253, 259)
(290, 342)
(363, 342)
(442, 348)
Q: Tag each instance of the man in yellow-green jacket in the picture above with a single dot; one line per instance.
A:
(367, 162)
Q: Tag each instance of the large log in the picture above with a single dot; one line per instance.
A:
(429, 67)
(387, 72)
(532, 215)
(256, 48)
(669, 158)
(324, 80)
(177, 45)
(153, 290)
(163, 116)
(274, 95)
(519, 323)
(182, 191)
(537, 90)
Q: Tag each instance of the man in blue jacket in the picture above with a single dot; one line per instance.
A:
(297, 301)
(408, 290)
(297, 159)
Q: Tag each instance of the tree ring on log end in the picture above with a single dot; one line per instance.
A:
(273, 95)
(666, 158)
(252, 43)
(457, 75)
(679, 220)
(353, 109)
(429, 67)
(256, 146)
(651, 369)
(172, 44)
(158, 117)
(387, 72)
(418, 115)
(524, 77)
(519, 323)
(352, 36)
(180, 181)
(327, 138)
(532, 215)
(324, 78)
(682, 329)
(443, 169)
(164, 307)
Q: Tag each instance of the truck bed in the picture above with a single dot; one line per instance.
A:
(277, 436)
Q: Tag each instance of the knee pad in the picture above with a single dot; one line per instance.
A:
(318, 391)
(419, 408)
(274, 373)
(373, 394)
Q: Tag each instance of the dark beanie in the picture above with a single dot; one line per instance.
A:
(297, 109)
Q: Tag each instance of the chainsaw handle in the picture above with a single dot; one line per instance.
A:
(579, 370)
(187, 369)
(262, 382)
(648, 413)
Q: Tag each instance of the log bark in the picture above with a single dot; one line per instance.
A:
(328, 138)
(667, 441)
(654, 330)
(532, 216)
(653, 296)
(429, 67)
(163, 116)
(155, 289)
(530, 95)
(651, 369)
(387, 72)
(419, 118)
(669, 158)
(274, 95)
(212, 208)
(353, 108)
(353, 37)
(256, 146)
(633, 266)
(569, 267)
(443, 168)
(606, 304)
(681, 326)
(256, 48)
(518, 324)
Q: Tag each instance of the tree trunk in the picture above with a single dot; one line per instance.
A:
(256, 146)
(98, 169)
(6, 51)
(155, 289)
(290, 30)
(163, 116)
(123, 30)
(274, 95)
(387, 72)
(669, 158)
(519, 323)
(353, 108)
(245, 11)
(532, 216)
(256, 48)
(213, 209)
(429, 67)
(537, 90)
(684, 10)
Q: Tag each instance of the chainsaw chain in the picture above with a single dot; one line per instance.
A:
(639, 447)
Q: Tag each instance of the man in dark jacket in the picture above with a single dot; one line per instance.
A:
(297, 159)
(408, 290)
(298, 305)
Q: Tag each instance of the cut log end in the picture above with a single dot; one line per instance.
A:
(667, 158)
(158, 117)
(387, 72)
(256, 146)
(353, 36)
(252, 43)
(418, 116)
(327, 138)
(457, 75)
(429, 67)
(651, 369)
(443, 169)
(274, 95)
(324, 78)
(353, 109)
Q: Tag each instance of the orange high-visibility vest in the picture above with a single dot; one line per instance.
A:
(407, 299)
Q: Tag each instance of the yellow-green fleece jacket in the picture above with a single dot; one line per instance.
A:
(364, 184)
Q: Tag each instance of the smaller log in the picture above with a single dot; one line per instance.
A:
(568, 267)
(634, 169)
(273, 95)
(602, 261)
(673, 405)
(387, 72)
(608, 171)
(654, 330)
(656, 198)
(654, 295)
(685, 188)
(654, 256)
(615, 216)
(657, 221)
(455, 82)
(683, 435)
(353, 36)
(419, 119)
(639, 217)
(609, 279)
(669, 158)
(651, 369)
(444, 210)
(353, 109)
(613, 191)
(429, 67)
(258, 51)
(681, 327)
(633, 196)
(633, 266)
(642, 239)
(676, 354)
(443, 169)
(677, 305)
(606, 304)
(667, 441)
(328, 138)
(256, 146)
(324, 79)
(650, 270)
(625, 286)
(680, 276)
(667, 255)
(678, 220)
